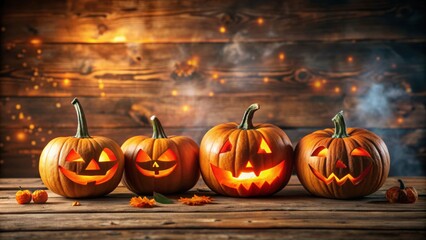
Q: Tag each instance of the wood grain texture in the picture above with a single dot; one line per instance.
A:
(199, 21)
(250, 234)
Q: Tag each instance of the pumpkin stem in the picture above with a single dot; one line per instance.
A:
(82, 130)
(247, 121)
(157, 129)
(339, 126)
(401, 184)
(20, 188)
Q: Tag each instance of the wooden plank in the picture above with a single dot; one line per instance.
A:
(198, 21)
(204, 112)
(405, 146)
(292, 198)
(149, 70)
(216, 220)
(253, 234)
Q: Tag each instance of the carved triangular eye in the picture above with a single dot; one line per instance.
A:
(264, 147)
(107, 156)
(168, 156)
(226, 147)
(73, 156)
(320, 152)
(361, 152)
(142, 156)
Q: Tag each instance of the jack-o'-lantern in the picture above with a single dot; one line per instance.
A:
(342, 163)
(81, 166)
(160, 164)
(246, 160)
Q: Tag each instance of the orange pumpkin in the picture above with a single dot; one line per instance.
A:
(160, 164)
(246, 160)
(342, 163)
(402, 194)
(81, 166)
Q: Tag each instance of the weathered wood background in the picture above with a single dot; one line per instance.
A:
(198, 63)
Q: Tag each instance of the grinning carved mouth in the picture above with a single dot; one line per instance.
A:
(340, 181)
(86, 179)
(250, 183)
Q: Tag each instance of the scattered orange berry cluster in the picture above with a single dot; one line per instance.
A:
(25, 196)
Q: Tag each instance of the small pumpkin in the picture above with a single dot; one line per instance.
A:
(40, 196)
(402, 194)
(23, 196)
(81, 166)
(342, 163)
(160, 164)
(244, 160)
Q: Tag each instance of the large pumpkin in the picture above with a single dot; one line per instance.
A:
(81, 166)
(160, 164)
(342, 163)
(246, 160)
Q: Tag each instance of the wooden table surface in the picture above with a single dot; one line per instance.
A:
(289, 214)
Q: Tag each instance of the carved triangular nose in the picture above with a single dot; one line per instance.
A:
(93, 165)
(340, 164)
(155, 165)
(249, 165)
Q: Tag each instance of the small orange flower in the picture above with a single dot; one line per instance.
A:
(40, 196)
(196, 200)
(23, 196)
(142, 202)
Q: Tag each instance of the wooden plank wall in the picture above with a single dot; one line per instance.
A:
(197, 63)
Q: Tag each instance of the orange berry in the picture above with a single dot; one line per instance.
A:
(23, 196)
(40, 196)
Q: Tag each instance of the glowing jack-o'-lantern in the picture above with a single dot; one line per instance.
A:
(81, 166)
(160, 163)
(246, 160)
(342, 163)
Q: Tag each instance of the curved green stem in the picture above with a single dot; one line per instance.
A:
(247, 121)
(157, 129)
(82, 130)
(339, 126)
(401, 184)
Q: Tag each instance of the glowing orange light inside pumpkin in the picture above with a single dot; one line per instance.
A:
(226, 147)
(360, 152)
(264, 148)
(320, 152)
(340, 181)
(167, 156)
(93, 165)
(248, 165)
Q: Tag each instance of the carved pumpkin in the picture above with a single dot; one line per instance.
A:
(340, 163)
(160, 163)
(81, 166)
(246, 160)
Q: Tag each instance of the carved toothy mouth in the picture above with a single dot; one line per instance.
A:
(86, 179)
(340, 181)
(250, 183)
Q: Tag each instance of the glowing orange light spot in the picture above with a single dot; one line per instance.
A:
(248, 165)
(93, 165)
(222, 29)
(66, 82)
(211, 94)
(281, 56)
(260, 21)
(222, 81)
(36, 87)
(21, 136)
(336, 89)
(33, 143)
(21, 116)
(320, 152)
(103, 94)
(18, 106)
(185, 108)
(119, 39)
(400, 120)
(215, 76)
(43, 139)
(54, 84)
(317, 84)
(101, 85)
(174, 92)
(265, 79)
(354, 89)
(35, 41)
(8, 138)
(58, 105)
(31, 126)
(350, 59)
